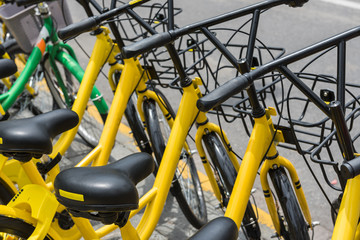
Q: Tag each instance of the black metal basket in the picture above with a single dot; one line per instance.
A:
(201, 59)
(305, 126)
(155, 14)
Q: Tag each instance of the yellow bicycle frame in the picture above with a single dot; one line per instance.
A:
(154, 199)
(346, 225)
(258, 145)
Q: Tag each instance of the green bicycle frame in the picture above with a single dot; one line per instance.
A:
(57, 52)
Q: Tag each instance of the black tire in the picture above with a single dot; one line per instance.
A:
(226, 176)
(6, 193)
(137, 128)
(186, 190)
(92, 122)
(14, 228)
(293, 225)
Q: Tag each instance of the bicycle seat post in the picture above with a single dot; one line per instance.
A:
(342, 130)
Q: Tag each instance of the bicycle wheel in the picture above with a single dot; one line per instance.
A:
(225, 176)
(136, 126)
(292, 223)
(13, 228)
(186, 187)
(92, 122)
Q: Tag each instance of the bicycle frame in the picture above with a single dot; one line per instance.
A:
(257, 148)
(131, 78)
(155, 198)
(347, 222)
(55, 51)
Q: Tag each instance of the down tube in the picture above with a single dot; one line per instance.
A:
(258, 143)
(349, 212)
(184, 118)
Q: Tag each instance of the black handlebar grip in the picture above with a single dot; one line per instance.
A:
(27, 2)
(7, 68)
(351, 168)
(77, 28)
(146, 44)
(222, 93)
(296, 3)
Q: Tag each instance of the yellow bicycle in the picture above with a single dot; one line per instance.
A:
(132, 77)
(84, 194)
(339, 117)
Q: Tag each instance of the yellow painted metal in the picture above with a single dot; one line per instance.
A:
(357, 234)
(209, 172)
(2, 112)
(33, 173)
(297, 186)
(105, 230)
(98, 57)
(17, 213)
(349, 212)
(258, 143)
(269, 198)
(185, 117)
(90, 157)
(202, 130)
(129, 232)
(16, 173)
(144, 200)
(42, 205)
(128, 81)
(85, 228)
(30, 89)
(5, 178)
(114, 69)
(7, 82)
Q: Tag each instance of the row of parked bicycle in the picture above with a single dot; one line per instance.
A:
(150, 58)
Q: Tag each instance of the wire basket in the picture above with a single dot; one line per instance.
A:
(201, 59)
(302, 123)
(304, 126)
(156, 15)
(24, 25)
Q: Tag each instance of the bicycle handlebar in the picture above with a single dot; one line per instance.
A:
(221, 94)
(146, 44)
(26, 2)
(89, 24)
(162, 39)
(72, 30)
(296, 3)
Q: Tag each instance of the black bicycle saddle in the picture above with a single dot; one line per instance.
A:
(33, 136)
(109, 188)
